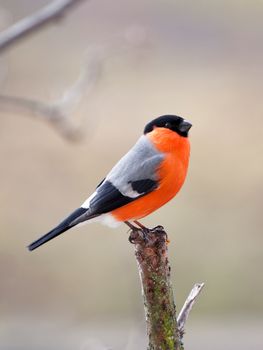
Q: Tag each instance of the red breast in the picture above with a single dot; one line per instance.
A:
(171, 174)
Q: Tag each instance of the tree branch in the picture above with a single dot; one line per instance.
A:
(187, 307)
(59, 113)
(25, 26)
(164, 331)
(154, 269)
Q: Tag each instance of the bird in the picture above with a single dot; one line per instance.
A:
(148, 176)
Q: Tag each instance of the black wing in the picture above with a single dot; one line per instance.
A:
(108, 197)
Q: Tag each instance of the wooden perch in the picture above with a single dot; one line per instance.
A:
(163, 329)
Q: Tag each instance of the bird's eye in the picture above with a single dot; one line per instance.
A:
(168, 125)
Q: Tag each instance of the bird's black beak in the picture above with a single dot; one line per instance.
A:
(185, 126)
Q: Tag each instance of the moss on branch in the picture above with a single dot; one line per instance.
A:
(154, 269)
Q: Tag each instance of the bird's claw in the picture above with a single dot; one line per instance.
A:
(139, 234)
(160, 229)
(131, 239)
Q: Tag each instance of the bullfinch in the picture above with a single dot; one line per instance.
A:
(147, 177)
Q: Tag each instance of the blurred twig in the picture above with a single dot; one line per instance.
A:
(51, 12)
(59, 113)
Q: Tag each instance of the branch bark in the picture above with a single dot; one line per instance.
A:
(37, 20)
(160, 310)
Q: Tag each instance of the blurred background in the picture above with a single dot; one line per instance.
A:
(201, 60)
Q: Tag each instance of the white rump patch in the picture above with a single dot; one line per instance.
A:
(105, 219)
(109, 220)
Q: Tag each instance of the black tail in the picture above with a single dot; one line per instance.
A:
(65, 225)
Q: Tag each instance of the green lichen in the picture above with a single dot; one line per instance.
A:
(158, 295)
(161, 311)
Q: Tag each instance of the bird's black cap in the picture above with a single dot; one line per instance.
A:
(172, 122)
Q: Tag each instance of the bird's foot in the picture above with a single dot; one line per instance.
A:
(139, 234)
(160, 230)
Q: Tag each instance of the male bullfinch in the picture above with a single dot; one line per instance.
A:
(147, 177)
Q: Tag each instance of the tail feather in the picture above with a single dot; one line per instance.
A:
(47, 237)
(71, 221)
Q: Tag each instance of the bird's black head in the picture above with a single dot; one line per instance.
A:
(172, 122)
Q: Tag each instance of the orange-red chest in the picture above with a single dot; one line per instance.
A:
(171, 175)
